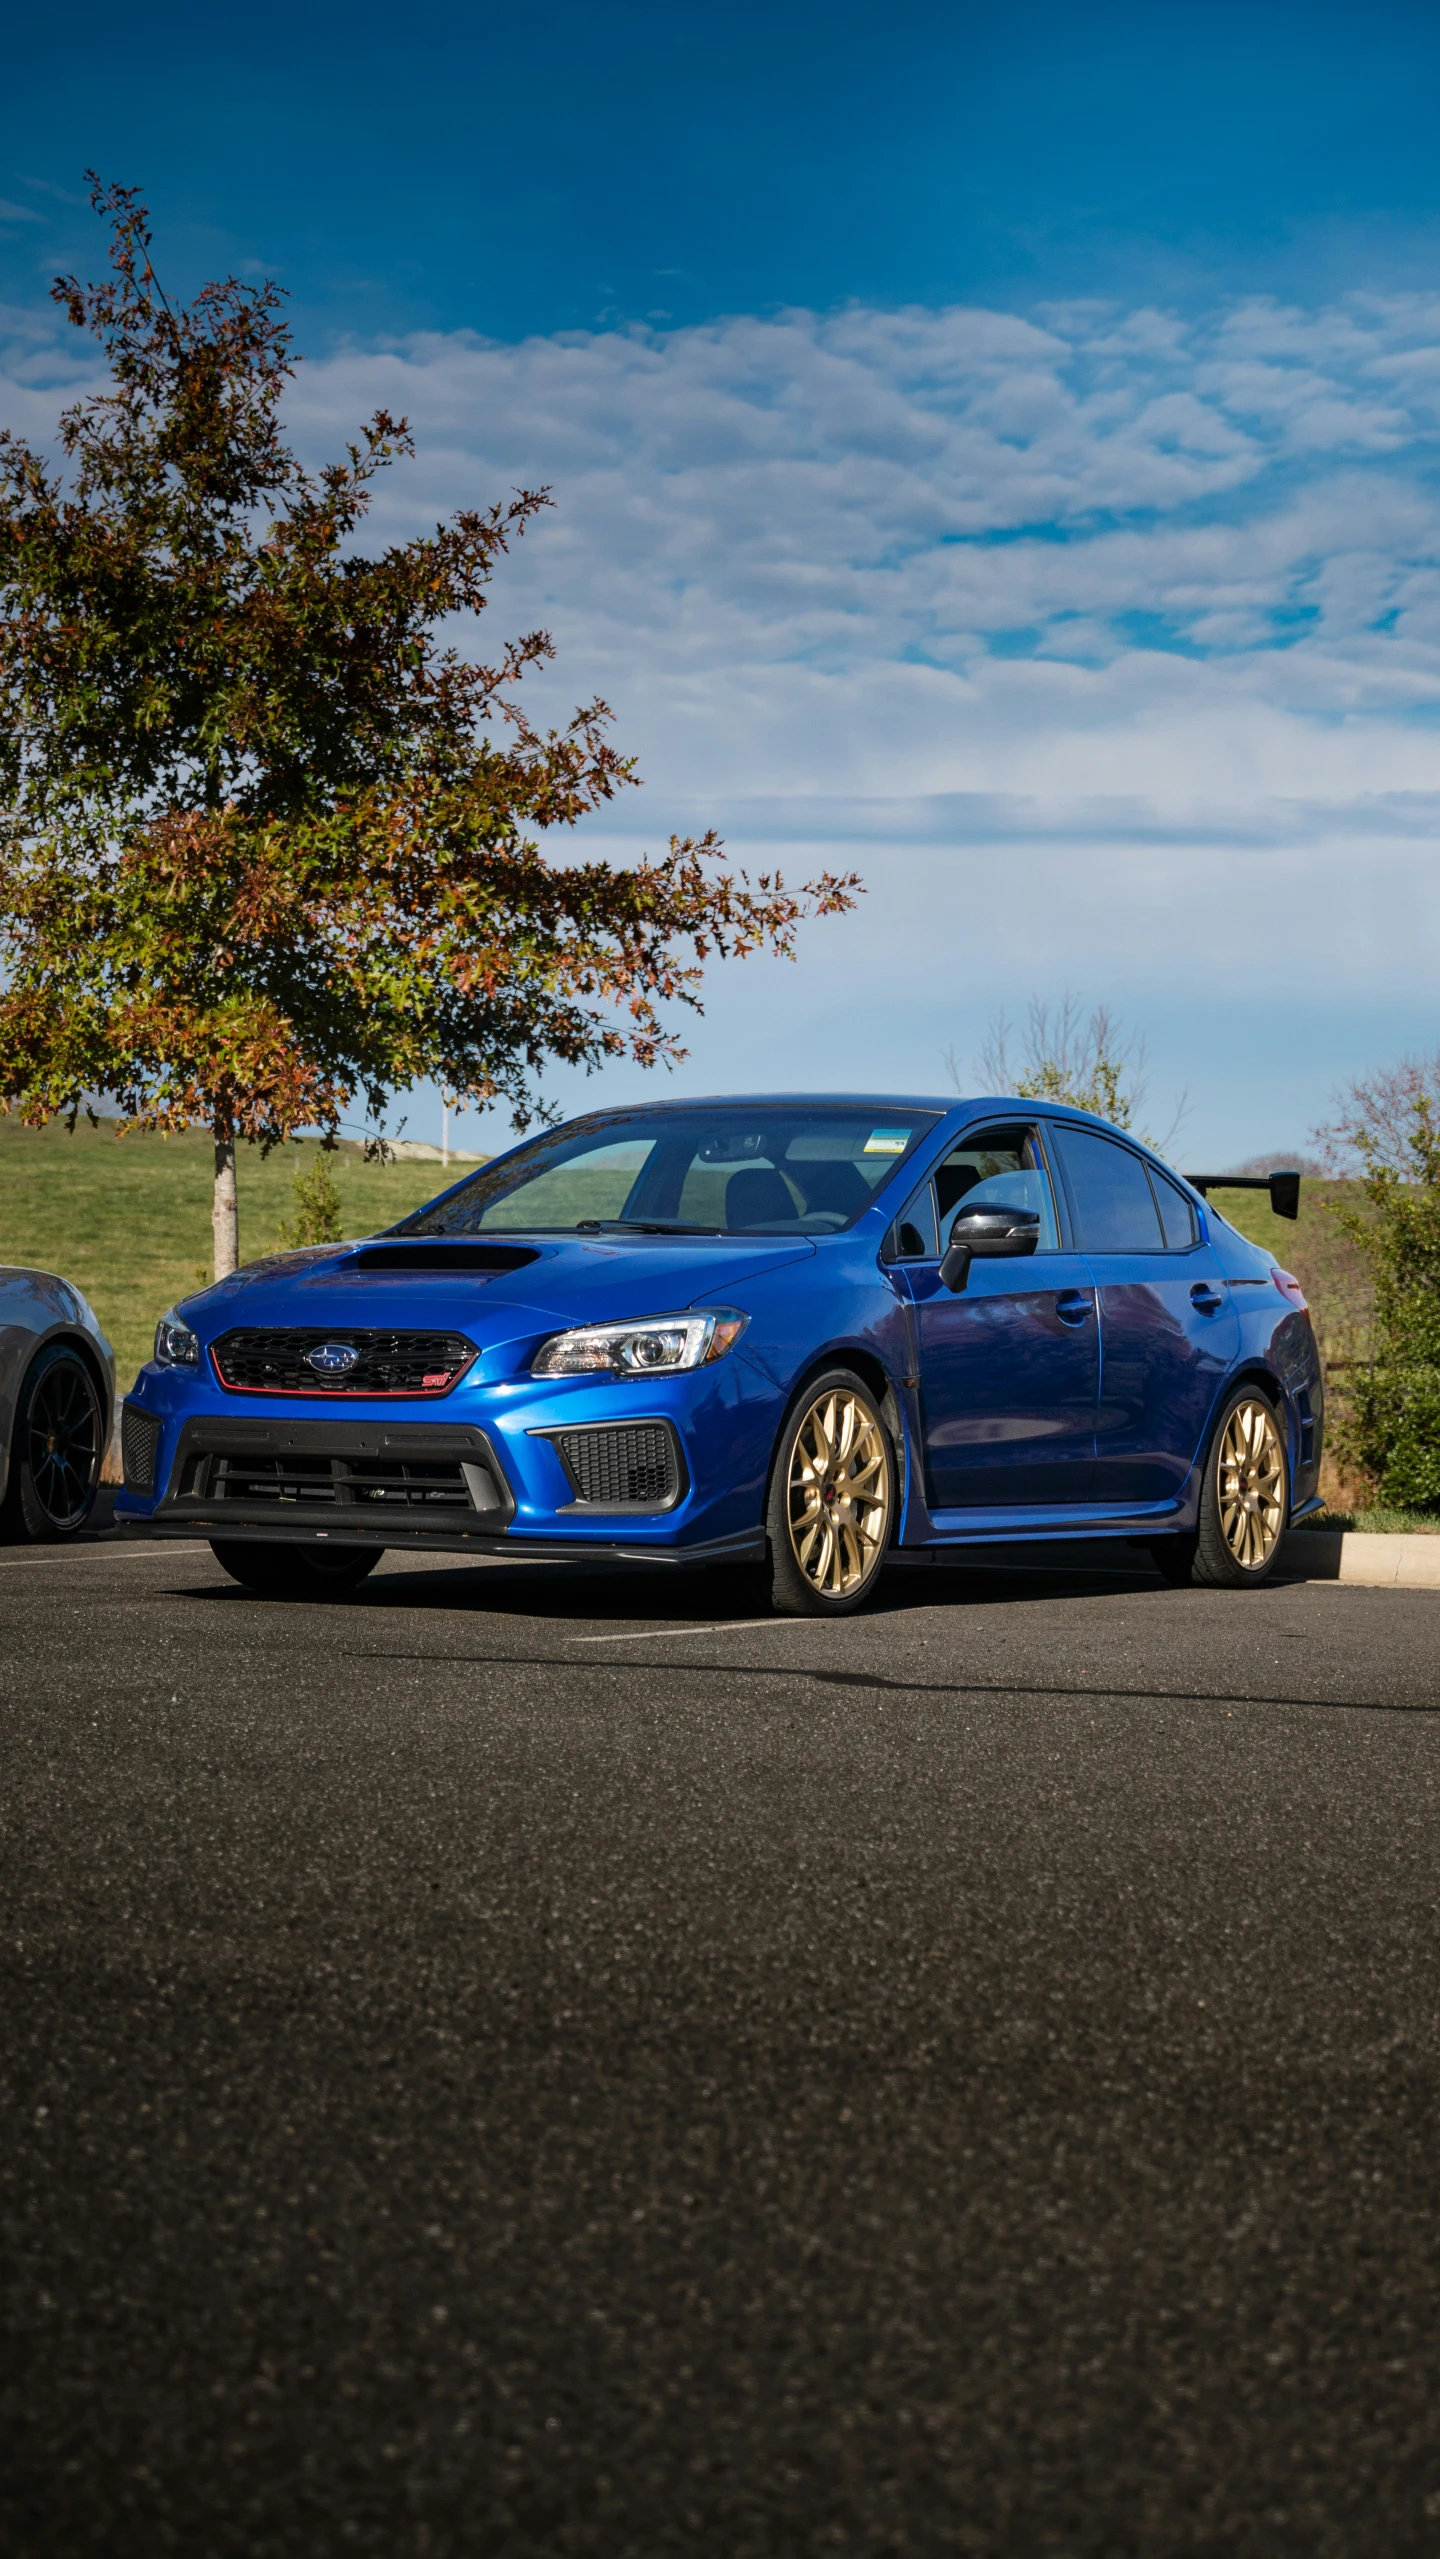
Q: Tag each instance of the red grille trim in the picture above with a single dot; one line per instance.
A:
(391, 1366)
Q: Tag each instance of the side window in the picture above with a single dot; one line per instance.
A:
(999, 1166)
(1115, 1208)
(1177, 1217)
(915, 1236)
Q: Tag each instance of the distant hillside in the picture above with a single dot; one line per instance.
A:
(1279, 1162)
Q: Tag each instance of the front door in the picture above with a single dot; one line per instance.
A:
(1168, 1326)
(1009, 1369)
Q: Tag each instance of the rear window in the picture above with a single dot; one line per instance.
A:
(1177, 1217)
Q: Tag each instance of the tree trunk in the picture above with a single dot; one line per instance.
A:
(225, 1217)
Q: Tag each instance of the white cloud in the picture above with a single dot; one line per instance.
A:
(948, 550)
(1116, 632)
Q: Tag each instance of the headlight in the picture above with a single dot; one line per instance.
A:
(175, 1344)
(654, 1348)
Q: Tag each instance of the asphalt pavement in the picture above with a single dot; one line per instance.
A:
(520, 2063)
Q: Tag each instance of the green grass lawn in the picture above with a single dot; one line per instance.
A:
(1378, 1522)
(128, 1218)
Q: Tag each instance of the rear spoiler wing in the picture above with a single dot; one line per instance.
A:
(1284, 1188)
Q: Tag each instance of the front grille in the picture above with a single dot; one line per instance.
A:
(139, 1442)
(419, 1474)
(275, 1361)
(625, 1466)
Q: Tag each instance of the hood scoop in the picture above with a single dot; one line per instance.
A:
(481, 1261)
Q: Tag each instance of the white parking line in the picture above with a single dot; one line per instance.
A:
(652, 1635)
(126, 1554)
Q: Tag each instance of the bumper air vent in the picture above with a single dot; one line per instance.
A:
(333, 1475)
(277, 1361)
(624, 1466)
(139, 1445)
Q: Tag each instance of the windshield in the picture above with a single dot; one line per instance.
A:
(775, 1169)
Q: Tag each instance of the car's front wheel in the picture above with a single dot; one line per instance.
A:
(55, 1450)
(1244, 1502)
(832, 1500)
(294, 1572)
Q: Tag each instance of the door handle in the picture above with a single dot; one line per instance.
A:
(1205, 1299)
(1072, 1306)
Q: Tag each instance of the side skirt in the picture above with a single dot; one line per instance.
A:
(1016, 1527)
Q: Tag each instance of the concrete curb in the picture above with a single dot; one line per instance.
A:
(1339, 1555)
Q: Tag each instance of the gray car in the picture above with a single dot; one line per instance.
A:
(57, 1402)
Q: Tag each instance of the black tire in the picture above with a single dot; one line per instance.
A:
(1208, 1559)
(859, 1531)
(294, 1572)
(55, 1450)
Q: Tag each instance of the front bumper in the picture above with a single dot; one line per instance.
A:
(673, 1470)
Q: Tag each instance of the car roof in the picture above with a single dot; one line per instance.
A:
(945, 1106)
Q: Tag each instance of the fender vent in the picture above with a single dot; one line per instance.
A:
(626, 1466)
(1307, 1427)
(139, 1443)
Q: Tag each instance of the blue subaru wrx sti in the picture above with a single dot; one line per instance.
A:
(793, 1329)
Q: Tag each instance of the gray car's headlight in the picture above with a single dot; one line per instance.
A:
(175, 1344)
(658, 1345)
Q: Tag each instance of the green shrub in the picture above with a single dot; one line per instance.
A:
(318, 1207)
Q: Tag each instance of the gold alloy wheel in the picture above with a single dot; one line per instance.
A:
(839, 1494)
(1251, 1483)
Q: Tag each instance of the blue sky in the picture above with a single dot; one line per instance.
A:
(997, 447)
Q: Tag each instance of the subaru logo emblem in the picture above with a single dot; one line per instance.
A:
(333, 1359)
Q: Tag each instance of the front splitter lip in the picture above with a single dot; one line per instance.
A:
(231, 1523)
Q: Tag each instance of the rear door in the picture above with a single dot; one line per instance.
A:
(1168, 1327)
(1009, 1369)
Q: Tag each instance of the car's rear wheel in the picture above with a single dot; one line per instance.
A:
(832, 1500)
(294, 1572)
(55, 1450)
(1244, 1502)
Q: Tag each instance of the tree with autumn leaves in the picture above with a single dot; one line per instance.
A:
(271, 844)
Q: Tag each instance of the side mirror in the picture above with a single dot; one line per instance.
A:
(987, 1234)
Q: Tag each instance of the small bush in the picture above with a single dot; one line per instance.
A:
(317, 1204)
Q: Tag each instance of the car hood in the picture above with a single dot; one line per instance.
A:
(571, 1280)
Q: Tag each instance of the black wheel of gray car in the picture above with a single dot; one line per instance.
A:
(832, 1503)
(55, 1450)
(1244, 1501)
(294, 1572)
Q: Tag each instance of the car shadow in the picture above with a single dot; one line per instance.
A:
(637, 1594)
